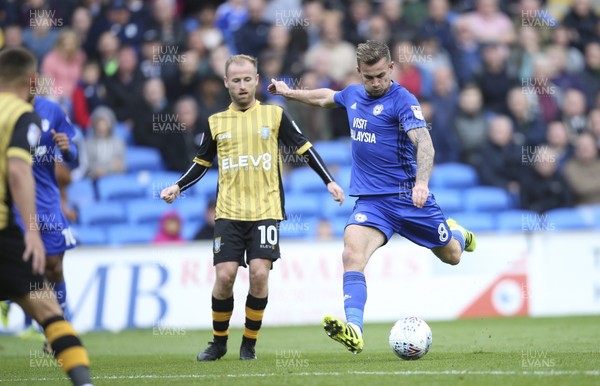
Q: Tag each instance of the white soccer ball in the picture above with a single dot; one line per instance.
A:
(410, 338)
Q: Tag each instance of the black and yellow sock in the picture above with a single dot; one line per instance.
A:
(67, 349)
(221, 314)
(255, 309)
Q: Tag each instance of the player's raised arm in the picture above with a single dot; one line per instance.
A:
(321, 97)
(422, 140)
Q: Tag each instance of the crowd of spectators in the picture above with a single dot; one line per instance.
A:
(510, 87)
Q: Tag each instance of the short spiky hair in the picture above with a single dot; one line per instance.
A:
(372, 52)
(238, 59)
(16, 66)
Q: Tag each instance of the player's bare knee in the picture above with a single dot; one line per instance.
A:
(54, 274)
(40, 305)
(225, 278)
(54, 269)
(259, 277)
(259, 289)
(349, 256)
(453, 258)
(448, 255)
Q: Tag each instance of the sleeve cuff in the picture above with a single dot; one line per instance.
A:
(202, 162)
(302, 149)
(20, 153)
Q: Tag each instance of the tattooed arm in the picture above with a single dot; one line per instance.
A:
(422, 140)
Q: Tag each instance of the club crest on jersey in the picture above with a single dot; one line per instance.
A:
(417, 112)
(360, 217)
(265, 131)
(217, 245)
(33, 134)
(45, 125)
(377, 109)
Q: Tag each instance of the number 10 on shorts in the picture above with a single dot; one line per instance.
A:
(268, 234)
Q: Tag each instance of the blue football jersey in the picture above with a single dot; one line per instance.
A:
(384, 158)
(47, 153)
(52, 223)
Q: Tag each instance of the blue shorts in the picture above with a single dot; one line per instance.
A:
(396, 214)
(54, 230)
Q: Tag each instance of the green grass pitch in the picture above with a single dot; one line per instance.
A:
(514, 351)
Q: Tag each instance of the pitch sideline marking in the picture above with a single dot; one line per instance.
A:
(594, 373)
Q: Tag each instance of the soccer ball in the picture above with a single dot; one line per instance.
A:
(410, 338)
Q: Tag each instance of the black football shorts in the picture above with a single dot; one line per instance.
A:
(16, 276)
(253, 239)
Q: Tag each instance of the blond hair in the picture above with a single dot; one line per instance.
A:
(238, 59)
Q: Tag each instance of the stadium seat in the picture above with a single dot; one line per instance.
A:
(487, 199)
(146, 211)
(191, 208)
(449, 200)
(119, 187)
(139, 158)
(155, 182)
(298, 228)
(595, 209)
(190, 228)
(337, 152)
(567, 218)
(453, 175)
(343, 178)
(90, 235)
(127, 234)
(590, 213)
(102, 213)
(339, 224)
(476, 222)
(304, 180)
(123, 131)
(519, 221)
(303, 205)
(332, 209)
(81, 193)
(207, 186)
